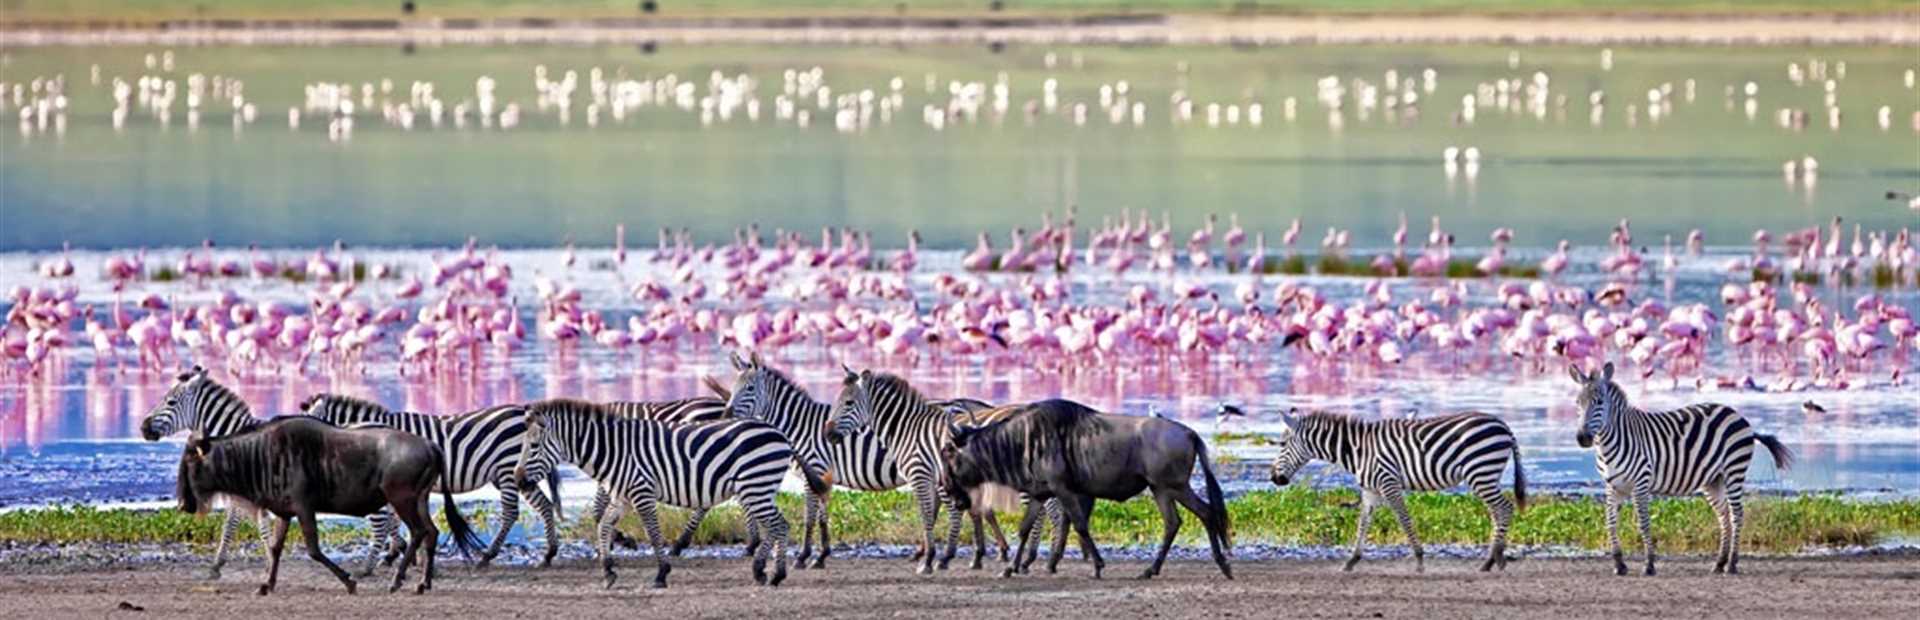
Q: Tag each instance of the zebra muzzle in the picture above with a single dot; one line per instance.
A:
(1585, 440)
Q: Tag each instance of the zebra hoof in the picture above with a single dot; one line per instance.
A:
(924, 569)
(422, 589)
(818, 563)
(264, 590)
(1006, 573)
(778, 577)
(1649, 570)
(1147, 574)
(212, 574)
(611, 577)
(353, 587)
(976, 564)
(1620, 570)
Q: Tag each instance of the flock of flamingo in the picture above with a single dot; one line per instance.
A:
(1132, 292)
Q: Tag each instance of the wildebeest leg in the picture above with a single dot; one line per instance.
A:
(979, 539)
(1078, 514)
(1170, 527)
(999, 537)
(650, 519)
(1217, 541)
(419, 529)
(686, 537)
(310, 530)
(1367, 500)
(1024, 536)
(1060, 530)
(277, 541)
(509, 514)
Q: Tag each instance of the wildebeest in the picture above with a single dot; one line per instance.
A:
(298, 467)
(1062, 449)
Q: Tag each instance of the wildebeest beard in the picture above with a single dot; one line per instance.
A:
(245, 471)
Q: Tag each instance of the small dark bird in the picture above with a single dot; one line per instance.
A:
(1230, 410)
(1812, 408)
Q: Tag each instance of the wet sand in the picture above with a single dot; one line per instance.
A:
(1849, 587)
(1136, 28)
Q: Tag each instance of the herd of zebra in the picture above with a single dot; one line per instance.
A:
(880, 433)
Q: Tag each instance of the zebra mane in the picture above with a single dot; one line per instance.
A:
(572, 405)
(883, 381)
(350, 401)
(216, 392)
(782, 382)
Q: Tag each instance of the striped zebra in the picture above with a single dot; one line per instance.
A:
(482, 448)
(912, 429)
(859, 461)
(1390, 457)
(683, 411)
(198, 404)
(1703, 448)
(647, 463)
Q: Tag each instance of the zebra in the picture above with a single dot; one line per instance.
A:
(859, 461)
(198, 404)
(482, 448)
(647, 463)
(912, 431)
(1389, 457)
(682, 411)
(1702, 448)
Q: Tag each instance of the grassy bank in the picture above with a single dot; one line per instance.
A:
(1287, 517)
(32, 10)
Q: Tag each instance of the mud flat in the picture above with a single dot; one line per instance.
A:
(1867, 586)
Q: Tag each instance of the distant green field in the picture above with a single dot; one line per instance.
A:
(30, 10)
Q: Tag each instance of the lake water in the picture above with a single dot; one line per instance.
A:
(68, 432)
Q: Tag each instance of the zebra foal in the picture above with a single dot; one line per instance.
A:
(1390, 457)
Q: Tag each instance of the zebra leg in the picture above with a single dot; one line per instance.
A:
(954, 519)
(1613, 529)
(929, 501)
(380, 525)
(1170, 525)
(227, 527)
(1398, 504)
(1023, 536)
(826, 543)
(548, 516)
(1643, 508)
(509, 515)
(807, 518)
(686, 536)
(1500, 510)
(649, 511)
(602, 499)
(603, 537)
(762, 512)
(1736, 517)
(1717, 499)
(1367, 500)
(1060, 530)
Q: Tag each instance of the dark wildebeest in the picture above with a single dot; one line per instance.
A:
(1062, 449)
(297, 467)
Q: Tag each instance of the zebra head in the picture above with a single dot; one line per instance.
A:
(539, 443)
(1599, 398)
(1294, 451)
(752, 385)
(180, 409)
(853, 411)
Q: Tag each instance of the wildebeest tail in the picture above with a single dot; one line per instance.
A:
(457, 526)
(1215, 499)
(1519, 479)
(1782, 457)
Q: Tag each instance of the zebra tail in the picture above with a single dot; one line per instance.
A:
(1215, 498)
(461, 531)
(1782, 457)
(1519, 480)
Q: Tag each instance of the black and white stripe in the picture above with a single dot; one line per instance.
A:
(198, 404)
(1390, 457)
(1703, 448)
(859, 461)
(647, 463)
(482, 448)
(694, 410)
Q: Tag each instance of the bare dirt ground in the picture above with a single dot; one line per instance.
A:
(1842, 587)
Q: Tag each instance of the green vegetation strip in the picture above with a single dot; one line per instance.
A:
(1287, 517)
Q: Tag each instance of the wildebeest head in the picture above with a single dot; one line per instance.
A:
(1294, 452)
(960, 469)
(178, 410)
(751, 383)
(853, 411)
(195, 476)
(1599, 398)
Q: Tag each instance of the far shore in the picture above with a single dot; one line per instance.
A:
(1901, 29)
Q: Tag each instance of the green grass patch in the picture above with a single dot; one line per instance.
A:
(1293, 516)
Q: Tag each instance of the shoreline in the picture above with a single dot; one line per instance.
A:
(1783, 29)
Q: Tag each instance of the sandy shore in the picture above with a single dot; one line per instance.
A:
(1851, 587)
(1788, 29)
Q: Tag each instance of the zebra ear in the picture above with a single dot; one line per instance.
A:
(306, 404)
(851, 375)
(738, 364)
(1573, 370)
(1606, 372)
(184, 377)
(198, 370)
(754, 357)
